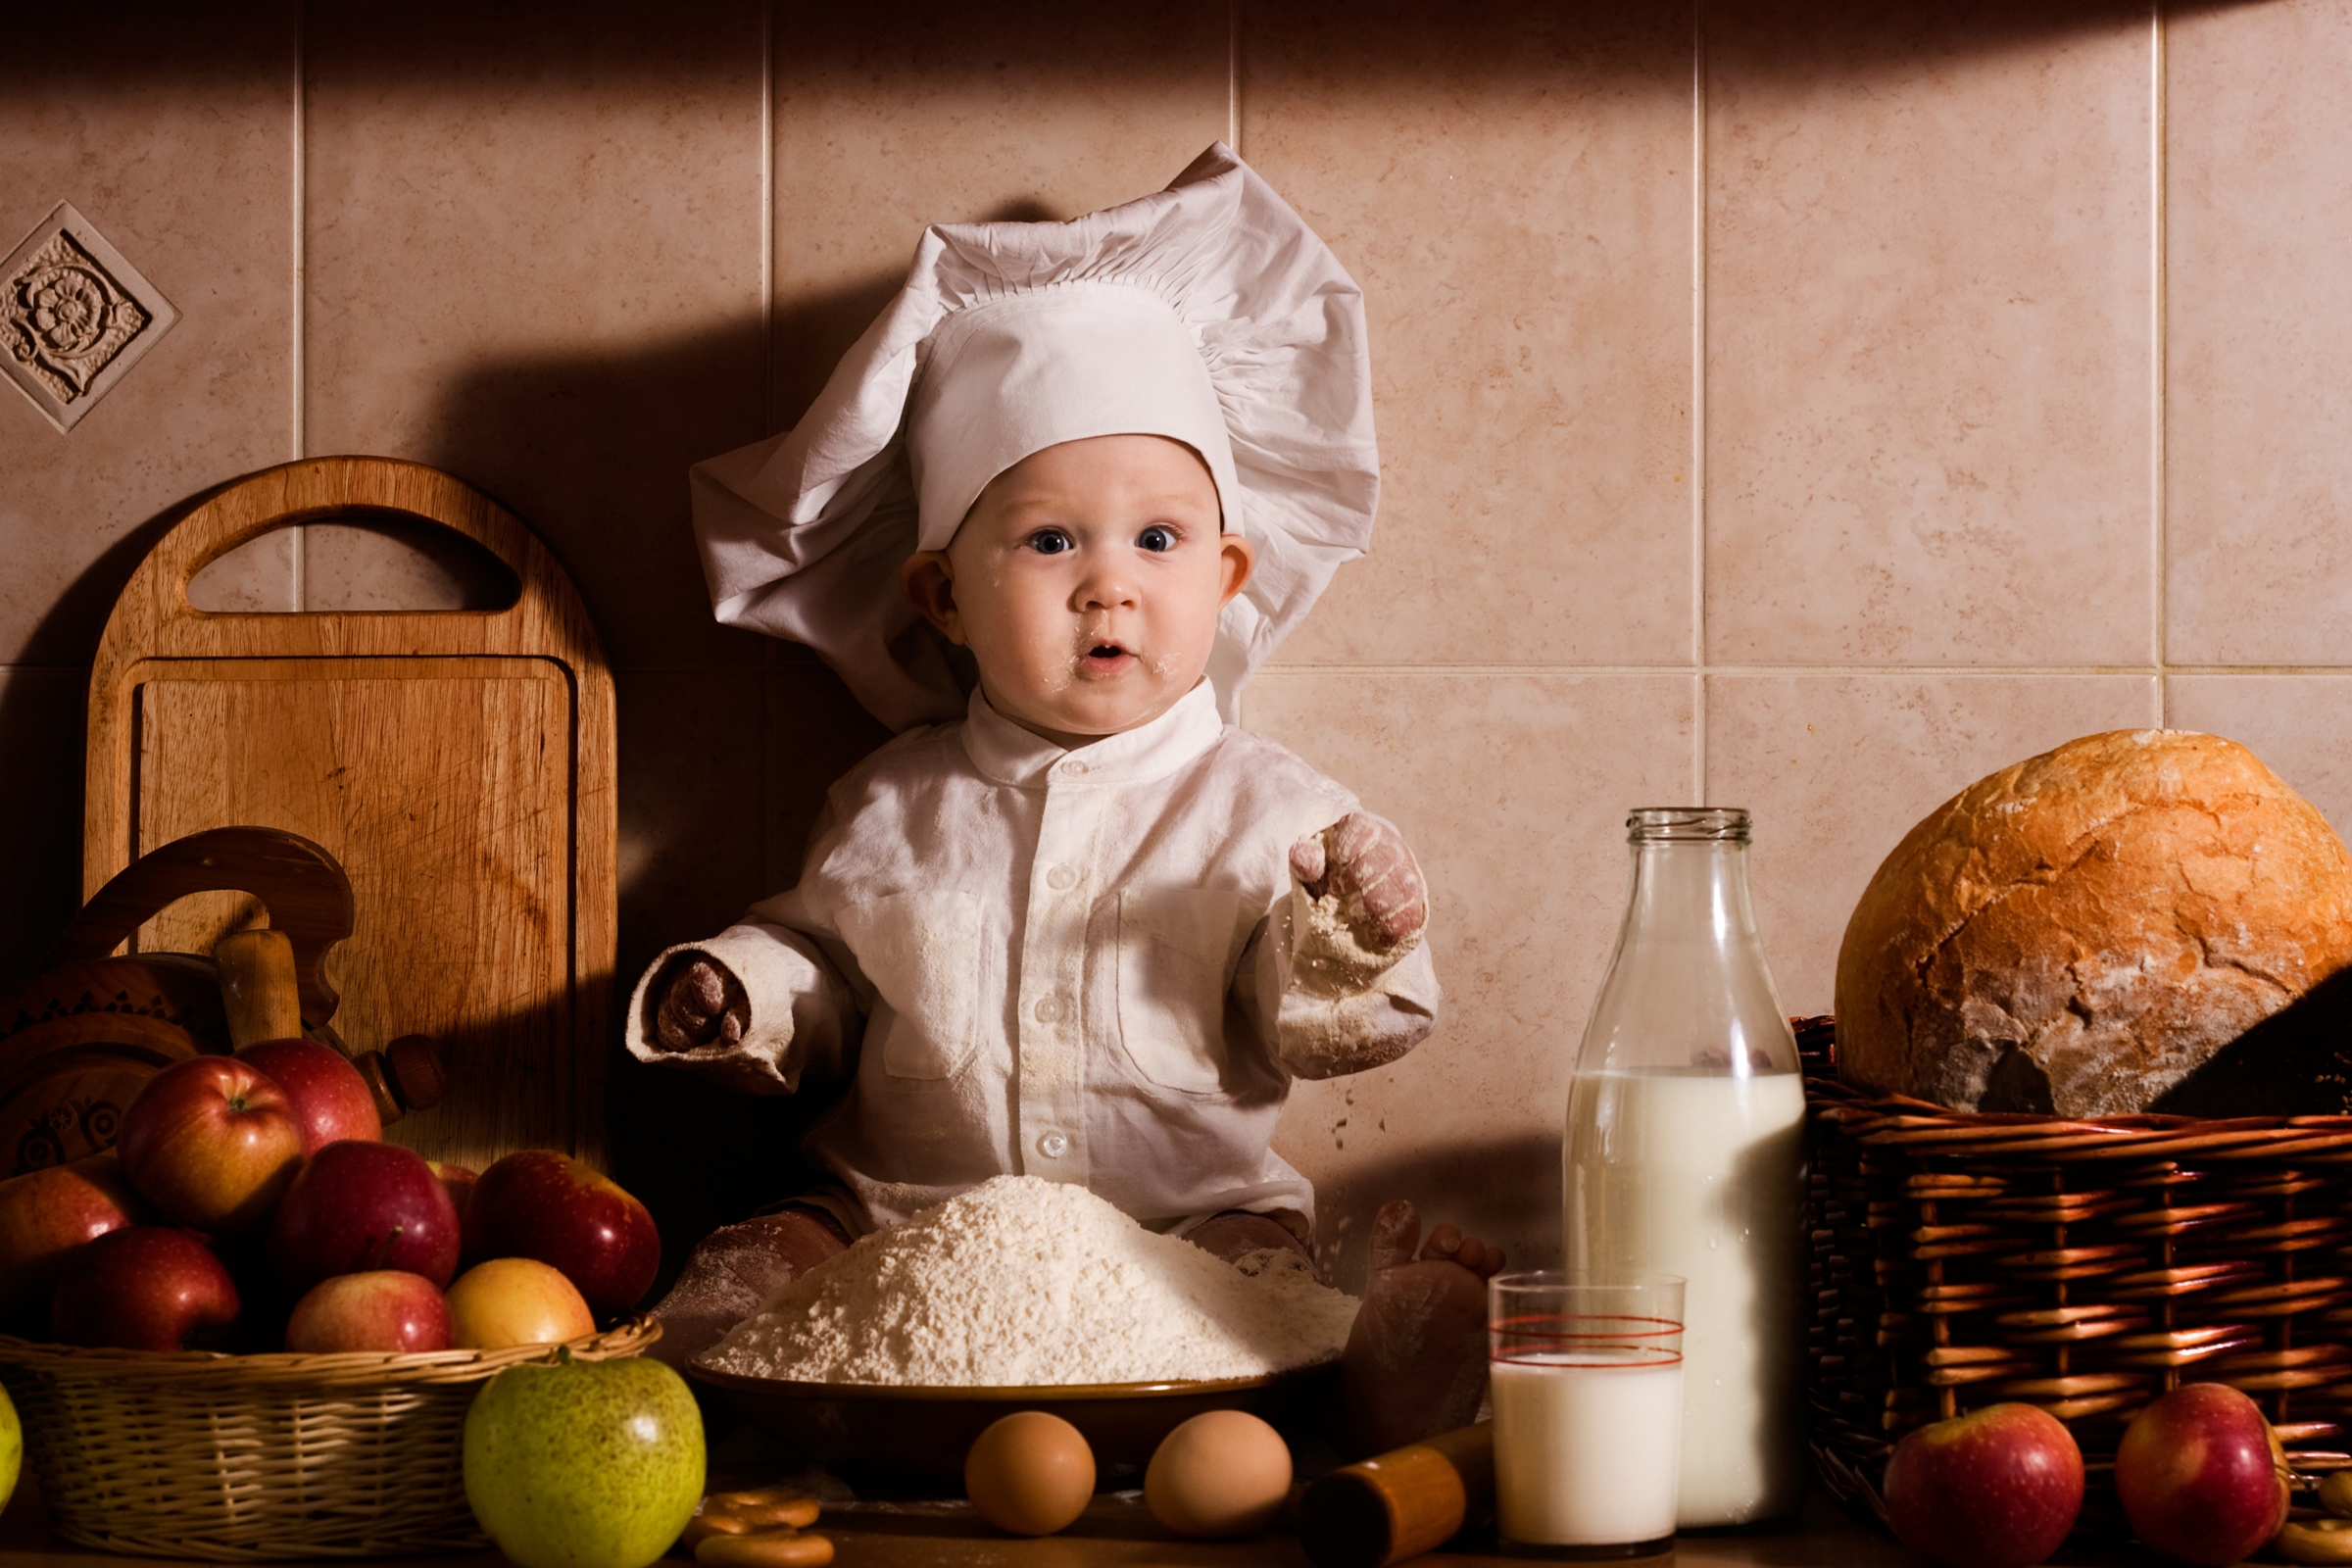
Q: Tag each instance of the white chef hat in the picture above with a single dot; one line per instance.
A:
(1208, 312)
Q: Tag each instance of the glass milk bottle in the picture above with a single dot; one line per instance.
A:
(1685, 1156)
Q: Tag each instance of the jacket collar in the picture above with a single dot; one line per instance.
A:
(1006, 754)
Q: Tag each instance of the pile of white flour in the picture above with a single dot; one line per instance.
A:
(1022, 1280)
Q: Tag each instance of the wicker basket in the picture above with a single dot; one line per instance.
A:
(1960, 1261)
(238, 1458)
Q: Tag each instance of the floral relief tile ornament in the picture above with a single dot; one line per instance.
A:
(74, 315)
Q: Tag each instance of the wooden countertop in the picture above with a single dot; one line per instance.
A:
(1117, 1531)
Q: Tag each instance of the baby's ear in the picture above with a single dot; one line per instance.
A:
(929, 583)
(1237, 561)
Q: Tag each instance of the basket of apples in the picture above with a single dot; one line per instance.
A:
(253, 1329)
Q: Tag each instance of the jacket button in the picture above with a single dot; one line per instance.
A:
(1061, 878)
(1047, 1009)
(1053, 1146)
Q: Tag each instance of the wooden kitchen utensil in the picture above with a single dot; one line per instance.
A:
(460, 763)
(77, 1039)
(1402, 1503)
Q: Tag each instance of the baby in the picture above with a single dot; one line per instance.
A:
(1090, 931)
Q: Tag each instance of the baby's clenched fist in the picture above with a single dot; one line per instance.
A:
(701, 1005)
(1362, 860)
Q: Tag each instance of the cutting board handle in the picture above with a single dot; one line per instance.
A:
(304, 889)
(323, 489)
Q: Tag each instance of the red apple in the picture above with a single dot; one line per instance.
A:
(330, 1098)
(2201, 1475)
(144, 1288)
(1997, 1488)
(546, 1206)
(212, 1142)
(44, 1215)
(381, 1309)
(358, 1205)
(460, 1180)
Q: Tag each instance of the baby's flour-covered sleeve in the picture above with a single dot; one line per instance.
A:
(1325, 1001)
(1336, 1006)
(800, 1010)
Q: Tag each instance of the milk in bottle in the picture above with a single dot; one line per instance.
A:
(1684, 1155)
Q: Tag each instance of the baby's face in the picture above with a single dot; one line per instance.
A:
(1086, 581)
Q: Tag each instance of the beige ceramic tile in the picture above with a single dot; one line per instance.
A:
(534, 260)
(1929, 283)
(41, 799)
(259, 576)
(2301, 725)
(1511, 185)
(399, 565)
(2258, 213)
(1836, 769)
(1514, 791)
(954, 114)
(171, 130)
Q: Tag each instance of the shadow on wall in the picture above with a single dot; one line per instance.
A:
(726, 750)
(1505, 1192)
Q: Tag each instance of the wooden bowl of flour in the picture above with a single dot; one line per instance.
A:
(925, 1431)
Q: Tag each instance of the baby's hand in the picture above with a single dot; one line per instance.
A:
(702, 1005)
(1364, 855)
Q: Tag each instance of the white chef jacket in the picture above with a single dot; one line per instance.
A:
(1090, 965)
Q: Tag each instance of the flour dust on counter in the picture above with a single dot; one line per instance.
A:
(1026, 1282)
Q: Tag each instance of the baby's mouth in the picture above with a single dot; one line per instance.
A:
(1105, 658)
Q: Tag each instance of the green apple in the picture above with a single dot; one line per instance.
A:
(584, 1464)
(11, 1448)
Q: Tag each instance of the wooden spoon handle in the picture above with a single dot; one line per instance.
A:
(257, 989)
(305, 889)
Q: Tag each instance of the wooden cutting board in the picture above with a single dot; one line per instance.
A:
(459, 764)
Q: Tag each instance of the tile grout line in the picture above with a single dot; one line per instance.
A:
(1699, 399)
(301, 288)
(1811, 671)
(2159, 370)
(767, 400)
(767, 218)
(1233, 76)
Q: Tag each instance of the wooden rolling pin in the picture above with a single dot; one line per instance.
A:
(1402, 1503)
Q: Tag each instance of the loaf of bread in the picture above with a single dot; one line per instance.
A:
(2075, 934)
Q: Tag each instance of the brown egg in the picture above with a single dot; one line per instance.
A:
(1225, 1473)
(1029, 1474)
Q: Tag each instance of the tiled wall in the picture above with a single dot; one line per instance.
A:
(1808, 405)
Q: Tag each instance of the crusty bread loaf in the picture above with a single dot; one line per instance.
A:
(2076, 933)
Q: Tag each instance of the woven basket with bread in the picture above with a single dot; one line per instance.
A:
(2079, 1130)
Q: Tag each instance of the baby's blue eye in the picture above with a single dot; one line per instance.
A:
(1157, 538)
(1049, 541)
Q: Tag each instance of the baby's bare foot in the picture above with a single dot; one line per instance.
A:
(732, 1273)
(1416, 1360)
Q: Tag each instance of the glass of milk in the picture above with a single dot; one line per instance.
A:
(1587, 1379)
(1686, 1154)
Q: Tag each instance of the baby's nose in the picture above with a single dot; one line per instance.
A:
(1107, 589)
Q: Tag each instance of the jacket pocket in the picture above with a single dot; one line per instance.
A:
(1176, 953)
(921, 953)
